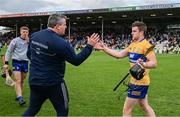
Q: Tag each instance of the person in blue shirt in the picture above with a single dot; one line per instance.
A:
(48, 51)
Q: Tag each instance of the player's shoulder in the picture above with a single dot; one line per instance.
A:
(37, 33)
(58, 41)
(15, 40)
(149, 45)
(146, 43)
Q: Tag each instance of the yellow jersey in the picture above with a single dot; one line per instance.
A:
(136, 50)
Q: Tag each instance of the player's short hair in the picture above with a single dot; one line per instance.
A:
(55, 19)
(141, 26)
(24, 28)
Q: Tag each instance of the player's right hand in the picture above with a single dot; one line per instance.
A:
(100, 46)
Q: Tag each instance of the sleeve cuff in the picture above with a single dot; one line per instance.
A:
(90, 46)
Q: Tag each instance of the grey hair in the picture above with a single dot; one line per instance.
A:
(55, 19)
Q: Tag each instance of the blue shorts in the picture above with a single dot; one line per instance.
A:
(21, 66)
(137, 91)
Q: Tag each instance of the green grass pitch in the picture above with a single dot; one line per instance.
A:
(91, 86)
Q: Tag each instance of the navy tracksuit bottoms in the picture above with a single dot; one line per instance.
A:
(57, 94)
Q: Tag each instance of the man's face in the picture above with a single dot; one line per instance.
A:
(24, 34)
(62, 28)
(135, 33)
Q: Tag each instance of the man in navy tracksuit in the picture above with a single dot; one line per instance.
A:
(48, 52)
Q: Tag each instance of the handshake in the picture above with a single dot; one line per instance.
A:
(94, 40)
(100, 46)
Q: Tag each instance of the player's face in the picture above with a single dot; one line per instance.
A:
(24, 34)
(62, 28)
(135, 33)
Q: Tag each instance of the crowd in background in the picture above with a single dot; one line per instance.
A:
(166, 42)
(6, 38)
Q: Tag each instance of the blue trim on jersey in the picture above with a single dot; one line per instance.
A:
(133, 57)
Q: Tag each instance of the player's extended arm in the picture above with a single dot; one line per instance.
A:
(111, 52)
(115, 53)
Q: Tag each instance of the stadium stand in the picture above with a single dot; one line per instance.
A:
(113, 24)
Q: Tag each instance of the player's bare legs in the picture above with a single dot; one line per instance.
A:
(23, 77)
(146, 107)
(18, 87)
(128, 106)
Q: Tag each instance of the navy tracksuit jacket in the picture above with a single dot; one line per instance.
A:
(48, 52)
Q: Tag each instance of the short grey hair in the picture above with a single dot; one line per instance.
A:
(55, 19)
